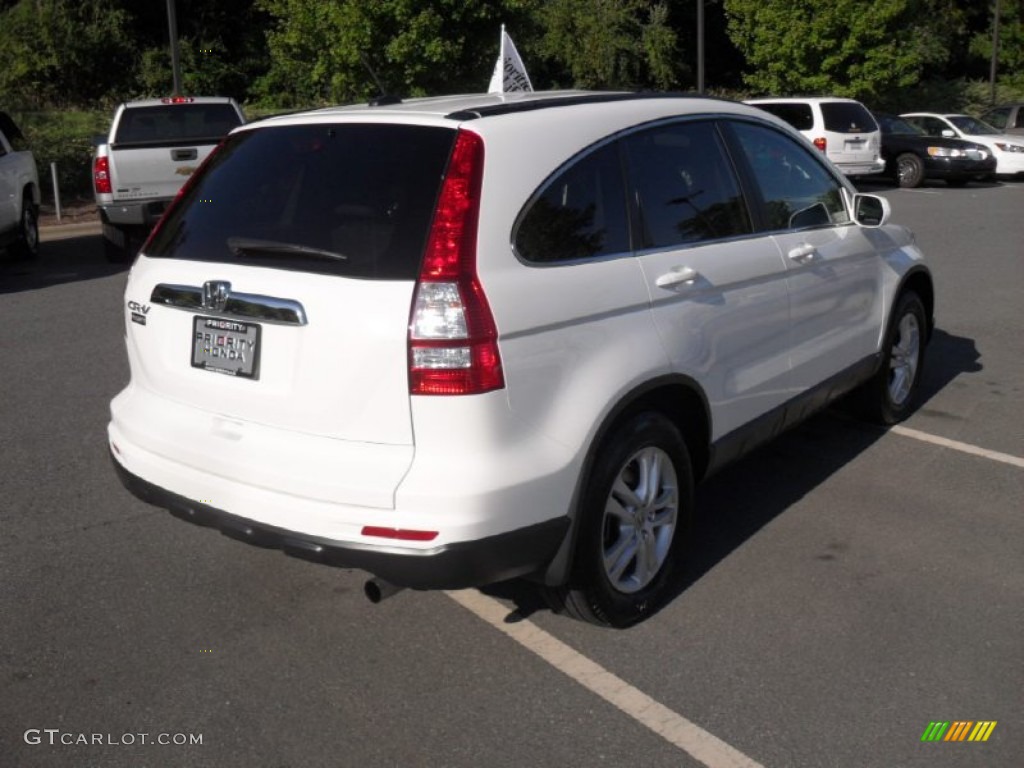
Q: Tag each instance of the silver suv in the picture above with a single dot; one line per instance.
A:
(456, 340)
(843, 129)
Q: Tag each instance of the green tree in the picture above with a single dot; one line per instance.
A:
(1010, 58)
(60, 52)
(857, 48)
(612, 43)
(317, 47)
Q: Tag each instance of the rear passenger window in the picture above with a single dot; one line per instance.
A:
(685, 186)
(796, 190)
(581, 214)
(799, 116)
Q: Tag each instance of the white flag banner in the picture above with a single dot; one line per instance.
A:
(509, 73)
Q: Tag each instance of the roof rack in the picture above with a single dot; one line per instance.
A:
(564, 101)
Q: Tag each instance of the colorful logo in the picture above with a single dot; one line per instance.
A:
(959, 730)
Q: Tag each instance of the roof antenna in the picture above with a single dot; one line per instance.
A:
(383, 98)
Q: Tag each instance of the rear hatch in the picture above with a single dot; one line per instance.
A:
(853, 134)
(277, 291)
(157, 147)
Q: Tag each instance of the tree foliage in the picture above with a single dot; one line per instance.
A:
(297, 53)
(324, 50)
(56, 52)
(611, 43)
(855, 48)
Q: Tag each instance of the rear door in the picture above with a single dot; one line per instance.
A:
(278, 291)
(719, 296)
(852, 133)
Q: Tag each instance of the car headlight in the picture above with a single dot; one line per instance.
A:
(1007, 147)
(946, 152)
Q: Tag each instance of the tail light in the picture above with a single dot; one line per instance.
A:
(453, 340)
(101, 175)
(821, 143)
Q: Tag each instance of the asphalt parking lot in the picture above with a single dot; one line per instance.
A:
(847, 586)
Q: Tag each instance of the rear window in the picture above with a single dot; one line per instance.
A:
(847, 117)
(352, 200)
(797, 115)
(176, 123)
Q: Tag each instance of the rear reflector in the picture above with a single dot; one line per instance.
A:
(405, 534)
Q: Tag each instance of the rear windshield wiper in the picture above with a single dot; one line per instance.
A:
(242, 246)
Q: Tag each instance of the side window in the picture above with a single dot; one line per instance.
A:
(685, 186)
(998, 118)
(933, 127)
(797, 190)
(1019, 122)
(580, 214)
(796, 114)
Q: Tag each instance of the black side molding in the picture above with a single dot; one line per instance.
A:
(455, 566)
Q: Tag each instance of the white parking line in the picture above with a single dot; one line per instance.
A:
(671, 726)
(956, 445)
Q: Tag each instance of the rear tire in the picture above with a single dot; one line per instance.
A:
(909, 170)
(633, 527)
(26, 246)
(117, 244)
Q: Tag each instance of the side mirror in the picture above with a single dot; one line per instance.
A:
(948, 133)
(871, 210)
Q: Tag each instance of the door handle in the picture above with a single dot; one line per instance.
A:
(802, 253)
(677, 275)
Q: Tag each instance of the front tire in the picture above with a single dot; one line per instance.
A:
(635, 512)
(27, 245)
(909, 170)
(890, 395)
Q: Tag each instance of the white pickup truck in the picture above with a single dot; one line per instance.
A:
(19, 193)
(154, 145)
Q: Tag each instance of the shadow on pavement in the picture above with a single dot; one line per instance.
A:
(60, 261)
(733, 505)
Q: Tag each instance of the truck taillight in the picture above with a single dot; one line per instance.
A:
(101, 175)
(821, 143)
(453, 340)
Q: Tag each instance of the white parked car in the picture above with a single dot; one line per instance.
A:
(456, 340)
(843, 129)
(1008, 150)
(19, 192)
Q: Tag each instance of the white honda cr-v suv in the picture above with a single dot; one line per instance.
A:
(456, 340)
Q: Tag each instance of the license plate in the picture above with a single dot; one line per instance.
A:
(226, 346)
(855, 144)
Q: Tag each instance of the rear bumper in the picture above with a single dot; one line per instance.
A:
(140, 213)
(453, 566)
(862, 168)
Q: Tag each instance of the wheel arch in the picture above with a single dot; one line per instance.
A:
(683, 402)
(919, 280)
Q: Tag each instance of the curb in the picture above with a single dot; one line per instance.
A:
(64, 231)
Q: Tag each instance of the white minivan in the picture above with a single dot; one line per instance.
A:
(843, 129)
